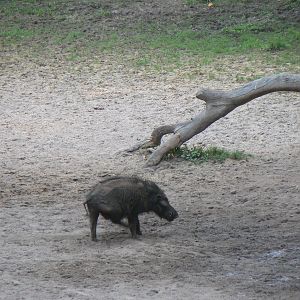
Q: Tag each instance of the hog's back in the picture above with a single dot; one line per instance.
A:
(116, 189)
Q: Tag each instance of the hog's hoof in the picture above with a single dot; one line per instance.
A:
(94, 239)
(137, 237)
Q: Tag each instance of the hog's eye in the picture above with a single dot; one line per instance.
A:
(158, 198)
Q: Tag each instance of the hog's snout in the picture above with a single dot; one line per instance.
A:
(171, 215)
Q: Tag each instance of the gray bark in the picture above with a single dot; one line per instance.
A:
(218, 104)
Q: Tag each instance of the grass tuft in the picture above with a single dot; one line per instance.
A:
(198, 154)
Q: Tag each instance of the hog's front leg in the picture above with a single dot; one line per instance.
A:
(132, 223)
(138, 228)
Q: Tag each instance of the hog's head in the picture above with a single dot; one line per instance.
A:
(163, 208)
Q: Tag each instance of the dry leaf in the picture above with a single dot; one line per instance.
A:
(210, 5)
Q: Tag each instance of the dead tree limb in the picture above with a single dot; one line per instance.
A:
(218, 104)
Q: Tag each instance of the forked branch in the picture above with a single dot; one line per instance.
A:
(218, 104)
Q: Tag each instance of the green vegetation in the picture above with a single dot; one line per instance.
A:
(103, 12)
(199, 154)
(79, 29)
(194, 2)
(292, 4)
(17, 33)
(27, 7)
(68, 38)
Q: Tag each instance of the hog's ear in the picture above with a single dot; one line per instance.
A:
(164, 203)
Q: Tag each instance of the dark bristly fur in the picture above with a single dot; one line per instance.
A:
(119, 197)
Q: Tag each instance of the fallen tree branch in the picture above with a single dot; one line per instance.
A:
(218, 104)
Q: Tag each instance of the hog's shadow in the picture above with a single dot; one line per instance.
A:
(122, 238)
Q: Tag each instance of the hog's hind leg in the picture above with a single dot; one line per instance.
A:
(93, 224)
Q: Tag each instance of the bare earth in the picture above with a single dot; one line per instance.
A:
(237, 236)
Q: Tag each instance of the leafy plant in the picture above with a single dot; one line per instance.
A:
(198, 154)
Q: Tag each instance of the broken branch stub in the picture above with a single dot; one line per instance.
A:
(218, 104)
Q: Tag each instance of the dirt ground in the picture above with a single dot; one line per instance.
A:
(61, 131)
(237, 236)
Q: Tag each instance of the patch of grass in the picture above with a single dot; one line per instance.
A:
(242, 78)
(292, 4)
(164, 44)
(28, 7)
(143, 62)
(174, 47)
(104, 12)
(107, 44)
(199, 154)
(70, 37)
(73, 57)
(215, 2)
(171, 43)
(16, 33)
(288, 39)
(276, 44)
(247, 28)
(194, 2)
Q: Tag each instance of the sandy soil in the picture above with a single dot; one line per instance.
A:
(238, 232)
